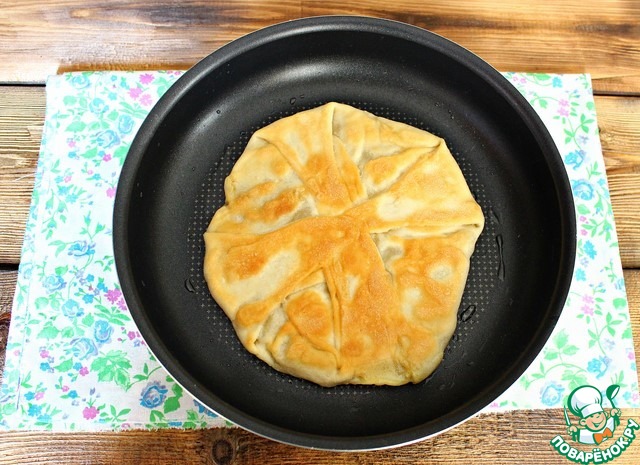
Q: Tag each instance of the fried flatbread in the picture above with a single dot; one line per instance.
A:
(343, 249)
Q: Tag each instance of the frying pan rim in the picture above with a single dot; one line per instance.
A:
(200, 70)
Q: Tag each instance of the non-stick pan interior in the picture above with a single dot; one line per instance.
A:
(172, 183)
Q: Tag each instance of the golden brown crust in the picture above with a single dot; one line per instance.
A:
(343, 249)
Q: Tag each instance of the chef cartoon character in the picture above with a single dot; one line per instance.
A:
(596, 425)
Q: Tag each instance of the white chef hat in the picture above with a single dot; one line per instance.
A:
(585, 401)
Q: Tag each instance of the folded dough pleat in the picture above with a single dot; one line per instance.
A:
(253, 274)
(430, 195)
(310, 153)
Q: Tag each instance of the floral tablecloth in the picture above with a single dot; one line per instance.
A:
(75, 360)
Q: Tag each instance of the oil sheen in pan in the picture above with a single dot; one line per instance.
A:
(486, 271)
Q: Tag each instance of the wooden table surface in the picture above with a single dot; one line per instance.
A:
(564, 36)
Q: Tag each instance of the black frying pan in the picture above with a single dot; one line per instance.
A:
(171, 184)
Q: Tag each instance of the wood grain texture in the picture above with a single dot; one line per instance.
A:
(625, 200)
(521, 437)
(619, 125)
(632, 283)
(7, 289)
(22, 112)
(539, 35)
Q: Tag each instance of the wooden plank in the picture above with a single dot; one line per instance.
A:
(514, 437)
(124, 35)
(619, 125)
(632, 283)
(625, 200)
(519, 36)
(21, 120)
(540, 35)
(7, 289)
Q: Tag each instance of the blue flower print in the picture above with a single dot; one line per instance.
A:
(556, 82)
(125, 124)
(53, 283)
(102, 331)
(71, 309)
(582, 189)
(34, 410)
(45, 366)
(90, 278)
(81, 248)
(87, 298)
(101, 286)
(202, 409)
(551, 394)
(575, 158)
(598, 366)
(26, 269)
(83, 348)
(124, 83)
(153, 395)
(72, 394)
(98, 106)
(107, 138)
(29, 395)
(589, 249)
(80, 81)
